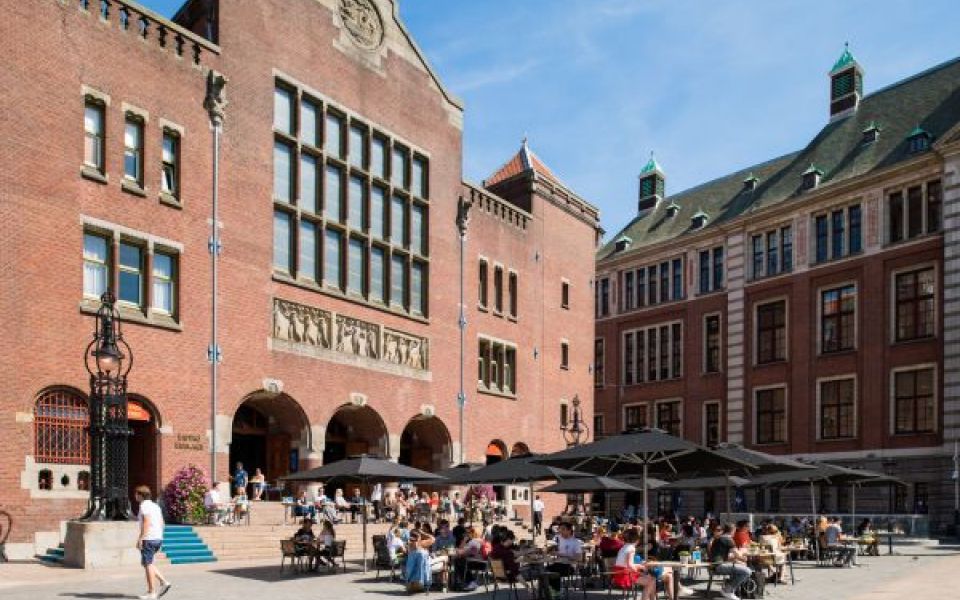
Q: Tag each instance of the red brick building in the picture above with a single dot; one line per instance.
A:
(804, 306)
(340, 185)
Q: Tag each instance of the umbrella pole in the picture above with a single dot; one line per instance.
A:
(533, 526)
(363, 510)
(726, 492)
(816, 529)
(853, 507)
(646, 512)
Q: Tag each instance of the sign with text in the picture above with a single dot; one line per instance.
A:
(188, 441)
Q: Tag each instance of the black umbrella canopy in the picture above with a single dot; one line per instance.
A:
(580, 485)
(522, 469)
(626, 454)
(370, 469)
(761, 462)
(706, 483)
(452, 473)
(827, 473)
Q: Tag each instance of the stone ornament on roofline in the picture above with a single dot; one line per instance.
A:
(363, 22)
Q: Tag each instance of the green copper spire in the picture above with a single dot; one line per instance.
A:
(651, 166)
(846, 59)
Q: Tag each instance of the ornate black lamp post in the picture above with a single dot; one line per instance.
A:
(575, 431)
(108, 360)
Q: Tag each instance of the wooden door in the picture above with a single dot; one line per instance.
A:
(278, 455)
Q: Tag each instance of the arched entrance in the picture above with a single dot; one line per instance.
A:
(520, 449)
(425, 444)
(496, 451)
(354, 430)
(143, 447)
(268, 431)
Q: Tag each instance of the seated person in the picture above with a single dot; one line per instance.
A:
(259, 484)
(627, 573)
(728, 560)
(868, 538)
(503, 551)
(610, 543)
(664, 575)
(470, 550)
(833, 537)
(304, 507)
(327, 536)
(357, 504)
(569, 548)
(304, 538)
(418, 571)
(444, 537)
(741, 537)
(771, 538)
(216, 507)
(396, 540)
(241, 505)
(340, 502)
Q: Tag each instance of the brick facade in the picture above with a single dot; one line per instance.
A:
(62, 52)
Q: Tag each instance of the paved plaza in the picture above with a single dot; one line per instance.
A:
(922, 574)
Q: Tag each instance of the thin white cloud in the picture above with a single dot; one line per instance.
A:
(493, 75)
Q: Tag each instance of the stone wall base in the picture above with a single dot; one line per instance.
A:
(101, 545)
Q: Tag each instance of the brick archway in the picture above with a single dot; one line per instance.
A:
(268, 432)
(355, 430)
(425, 444)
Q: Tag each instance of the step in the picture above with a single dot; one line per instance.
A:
(193, 560)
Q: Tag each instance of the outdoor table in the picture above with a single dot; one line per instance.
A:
(889, 535)
(677, 566)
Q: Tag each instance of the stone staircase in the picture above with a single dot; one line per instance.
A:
(182, 545)
(52, 555)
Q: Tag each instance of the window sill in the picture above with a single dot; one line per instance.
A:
(771, 363)
(916, 340)
(132, 187)
(564, 367)
(565, 306)
(770, 444)
(131, 315)
(498, 394)
(910, 434)
(916, 238)
(835, 259)
(352, 298)
(827, 440)
(771, 276)
(170, 200)
(512, 318)
(88, 172)
(832, 353)
(483, 308)
(710, 373)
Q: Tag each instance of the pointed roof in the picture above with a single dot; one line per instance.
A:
(523, 161)
(846, 59)
(652, 166)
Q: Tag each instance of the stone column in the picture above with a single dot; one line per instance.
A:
(735, 338)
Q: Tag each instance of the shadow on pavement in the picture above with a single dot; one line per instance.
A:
(95, 595)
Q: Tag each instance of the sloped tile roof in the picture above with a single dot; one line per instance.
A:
(930, 100)
(524, 160)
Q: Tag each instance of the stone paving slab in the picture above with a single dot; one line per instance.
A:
(928, 576)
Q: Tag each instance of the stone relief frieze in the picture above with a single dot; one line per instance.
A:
(308, 327)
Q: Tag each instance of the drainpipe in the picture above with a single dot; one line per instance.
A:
(215, 103)
(463, 215)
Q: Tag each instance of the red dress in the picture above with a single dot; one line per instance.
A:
(624, 578)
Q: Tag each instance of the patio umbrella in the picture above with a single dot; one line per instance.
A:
(761, 463)
(647, 452)
(705, 483)
(597, 483)
(824, 473)
(366, 470)
(513, 471)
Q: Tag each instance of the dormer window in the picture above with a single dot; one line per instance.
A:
(871, 133)
(672, 209)
(918, 140)
(652, 185)
(623, 243)
(811, 177)
(846, 85)
(699, 220)
(750, 183)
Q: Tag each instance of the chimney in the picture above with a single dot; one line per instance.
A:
(846, 85)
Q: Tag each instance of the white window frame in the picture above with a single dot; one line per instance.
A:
(892, 394)
(498, 380)
(171, 281)
(603, 361)
(646, 409)
(856, 406)
(923, 213)
(642, 360)
(564, 285)
(565, 343)
(938, 284)
(856, 315)
(656, 414)
(786, 413)
(763, 232)
(828, 212)
(703, 420)
(513, 300)
(482, 262)
(703, 343)
(140, 118)
(755, 350)
(105, 265)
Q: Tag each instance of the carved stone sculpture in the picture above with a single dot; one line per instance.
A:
(216, 99)
(363, 22)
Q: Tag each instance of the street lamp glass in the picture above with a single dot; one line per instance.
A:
(107, 363)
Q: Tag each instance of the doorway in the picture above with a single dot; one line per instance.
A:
(143, 448)
(266, 433)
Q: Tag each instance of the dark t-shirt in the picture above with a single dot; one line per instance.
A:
(720, 549)
(240, 478)
(459, 532)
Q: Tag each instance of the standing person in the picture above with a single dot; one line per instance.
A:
(150, 519)
(376, 498)
(537, 515)
(240, 478)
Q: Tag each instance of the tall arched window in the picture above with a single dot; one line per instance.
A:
(59, 422)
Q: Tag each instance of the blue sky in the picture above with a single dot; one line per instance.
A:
(710, 86)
